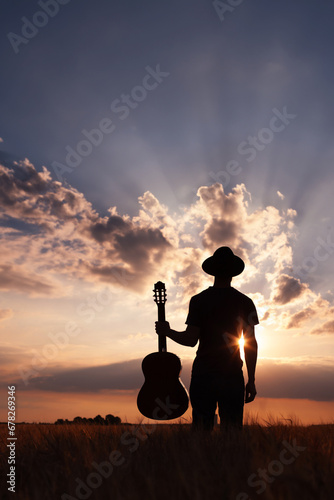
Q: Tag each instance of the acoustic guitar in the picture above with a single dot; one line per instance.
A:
(163, 396)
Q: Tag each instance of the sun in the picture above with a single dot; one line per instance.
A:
(241, 347)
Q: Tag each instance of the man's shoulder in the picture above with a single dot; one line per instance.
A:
(239, 294)
(203, 293)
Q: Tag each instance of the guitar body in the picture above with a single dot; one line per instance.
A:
(163, 396)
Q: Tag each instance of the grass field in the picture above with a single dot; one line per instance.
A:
(124, 462)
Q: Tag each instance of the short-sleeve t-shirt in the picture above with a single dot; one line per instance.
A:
(221, 314)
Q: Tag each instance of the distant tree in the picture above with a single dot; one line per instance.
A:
(111, 419)
(78, 420)
(98, 420)
(59, 421)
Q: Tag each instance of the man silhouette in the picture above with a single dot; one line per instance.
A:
(218, 316)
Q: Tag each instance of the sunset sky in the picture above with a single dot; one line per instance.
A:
(135, 139)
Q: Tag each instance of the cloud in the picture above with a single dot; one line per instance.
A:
(28, 283)
(299, 318)
(326, 328)
(310, 379)
(71, 234)
(5, 313)
(140, 246)
(287, 289)
(225, 216)
(315, 309)
(51, 235)
(125, 375)
(103, 231)
(280, 195)
(33, 197)
(298, 379)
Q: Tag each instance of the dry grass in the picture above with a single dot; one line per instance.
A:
(172, 462)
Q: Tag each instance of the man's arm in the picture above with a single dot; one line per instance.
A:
(250, 349)
(188, 338)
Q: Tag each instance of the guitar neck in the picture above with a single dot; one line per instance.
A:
(162, 338)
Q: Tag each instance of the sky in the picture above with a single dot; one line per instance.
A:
(135, 139)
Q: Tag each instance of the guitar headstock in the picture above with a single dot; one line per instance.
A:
(160, 294)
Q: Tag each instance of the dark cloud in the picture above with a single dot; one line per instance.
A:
(141, 246)
(296, 381)
(103, 231)
(126, 375)
(134, 255)
(274, 380)
(288, 289)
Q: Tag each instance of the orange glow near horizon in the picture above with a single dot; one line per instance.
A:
(41, 406)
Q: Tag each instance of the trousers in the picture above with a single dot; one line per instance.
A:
(211, 389)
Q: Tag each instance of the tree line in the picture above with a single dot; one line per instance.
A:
(108, 420)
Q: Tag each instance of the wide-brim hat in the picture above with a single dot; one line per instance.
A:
(223, 263)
